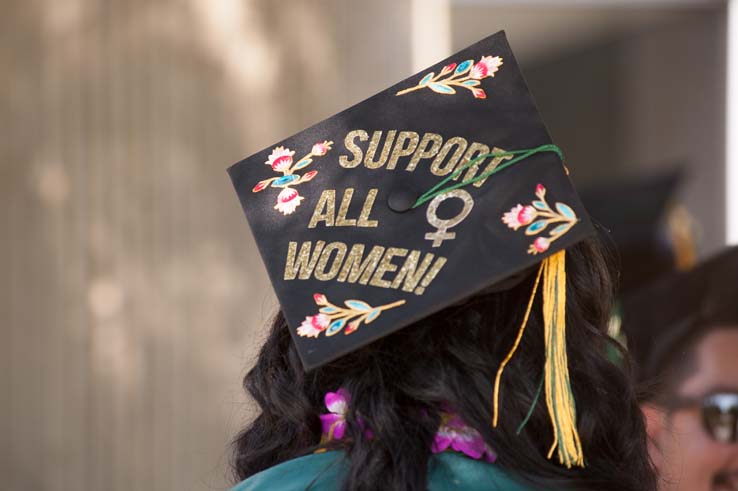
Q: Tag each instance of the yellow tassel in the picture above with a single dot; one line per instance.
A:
(495, 405)
(559, 398)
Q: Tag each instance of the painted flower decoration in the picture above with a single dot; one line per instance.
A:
(332, 319)
(541, 244)
(281, 160)
(519, 216)
(537, 217)
(334, 422)
(486, 67)
(321, 149)
(288, 200)
(465, 75)
(313, 325)
(454, 433)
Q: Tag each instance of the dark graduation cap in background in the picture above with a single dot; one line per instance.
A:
(410, 201)
(653, 236)
(658, 318)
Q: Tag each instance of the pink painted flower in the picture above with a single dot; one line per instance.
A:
(479, 93)
(313, 325)
(540, 191)
(486, 67)
(541, 244)
(334, 423)
(308, 176)
(261, 185)
(320, 149)
(526, 215)
(280, 159)
(320, 299)
(288, 201)
(351, 327)
(512, 217)
(457, 435)
(448, 68)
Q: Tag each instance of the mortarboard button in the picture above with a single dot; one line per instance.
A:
(401, 200)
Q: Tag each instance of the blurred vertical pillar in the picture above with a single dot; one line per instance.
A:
(133, 295)
(430, 32)
(731, 124)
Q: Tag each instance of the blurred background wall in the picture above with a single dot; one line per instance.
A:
(133, 297)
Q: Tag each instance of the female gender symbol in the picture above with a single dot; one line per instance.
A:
(442, 226)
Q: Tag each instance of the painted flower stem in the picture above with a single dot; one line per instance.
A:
(292, 168)
(410, 89)
(466, 75)
(332, 319)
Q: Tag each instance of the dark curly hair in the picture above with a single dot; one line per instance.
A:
(400, 383)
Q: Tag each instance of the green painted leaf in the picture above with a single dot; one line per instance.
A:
(471, 83)
(335, 327)
(566, 211)
(328, 310)
(358, 305)
(441, 89)
(426, 79)
(541, 205)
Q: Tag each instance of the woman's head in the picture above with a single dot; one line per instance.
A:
(400, 384)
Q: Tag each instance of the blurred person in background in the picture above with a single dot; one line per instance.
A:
(683, 333)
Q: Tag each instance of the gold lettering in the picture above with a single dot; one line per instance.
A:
(474, 150)
(325, 257)
(303, 261)
(437, 166)
(367, 209)
(341, 220)
(352, 147)
(430, 275)
(369, 161)
(434, 140)
(357, 269)
(492, 165)
(325, 210)
(400, 150)
(386, 266)
(410, 272)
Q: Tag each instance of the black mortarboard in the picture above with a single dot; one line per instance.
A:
(409, 202)
(647, 229)
(657, 319)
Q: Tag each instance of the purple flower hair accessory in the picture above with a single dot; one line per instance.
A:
(334, 423)
(455, 433)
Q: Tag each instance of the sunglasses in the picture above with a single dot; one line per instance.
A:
(719, 414)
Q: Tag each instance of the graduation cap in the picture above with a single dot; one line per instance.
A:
(661, 316)
(652, 235)
(423, 195)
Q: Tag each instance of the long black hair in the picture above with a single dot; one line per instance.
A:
(400, 383)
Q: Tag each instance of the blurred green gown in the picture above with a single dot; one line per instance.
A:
(448, 471)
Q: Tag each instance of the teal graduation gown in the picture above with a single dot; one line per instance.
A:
(447, 471)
